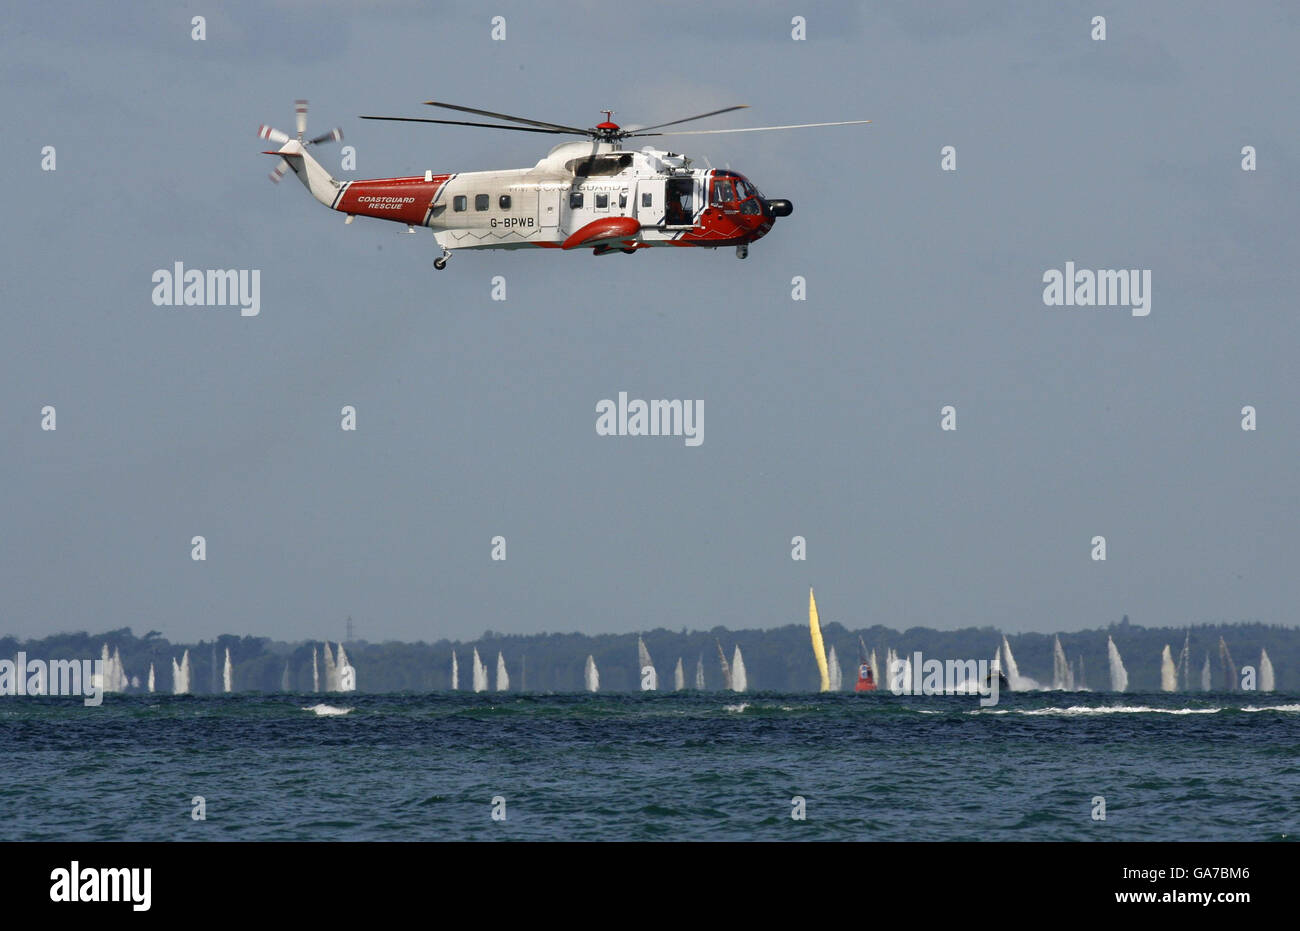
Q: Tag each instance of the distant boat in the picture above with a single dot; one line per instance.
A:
(679, 676)
(726, 667)
(739, 678)
(819, 648)
(866, 675)
(649, 676)
(591, 675)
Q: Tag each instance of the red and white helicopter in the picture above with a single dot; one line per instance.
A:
(593, 194)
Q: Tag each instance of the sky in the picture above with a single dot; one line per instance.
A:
(476, 418)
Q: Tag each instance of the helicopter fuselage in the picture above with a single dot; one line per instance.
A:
(582, 194)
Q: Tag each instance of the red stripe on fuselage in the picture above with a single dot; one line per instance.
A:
(404, 200)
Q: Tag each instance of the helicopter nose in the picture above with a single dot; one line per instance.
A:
(780, 208)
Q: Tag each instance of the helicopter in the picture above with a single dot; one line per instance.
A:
(593, 193)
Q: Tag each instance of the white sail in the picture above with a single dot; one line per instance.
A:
(679, 676)
(181, 675)
(503, 677)
(1062, 675)
(699, 673)
(1168, 677)
(228, 675)
(875, 670)
(151, 679)
(1229, 667)
(739, 679)
(1185, 660)
(723, 665)
(834, 672)
(315, 672)
(119, 674)
(1118, 674)
(648, 676)
(347, 673)
(455, 673)
(285, 685)
(591, 675)
(1205, 674)
(1016, 681)
(480, 674)
(331, 669)
(1265, 671)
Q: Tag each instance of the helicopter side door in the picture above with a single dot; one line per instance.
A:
(649, 194)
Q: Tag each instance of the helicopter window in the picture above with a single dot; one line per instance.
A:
(480, 202)
(743, 189)
(750, 207)
(458, 202)
(504, 201)
(575, 200)
(602, 201)
(622, 199)
(723, 192)
(679, 209)
(647, 199)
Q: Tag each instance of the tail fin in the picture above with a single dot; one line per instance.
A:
(314, 177)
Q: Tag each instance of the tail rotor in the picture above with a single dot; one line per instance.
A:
(278, 137)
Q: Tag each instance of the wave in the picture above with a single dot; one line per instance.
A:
(1126, 709)
(324, 709)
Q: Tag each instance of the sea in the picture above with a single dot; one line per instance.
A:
(686, 766)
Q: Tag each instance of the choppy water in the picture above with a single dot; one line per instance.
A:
(652, 766)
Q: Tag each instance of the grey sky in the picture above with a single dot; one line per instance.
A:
(476, 418)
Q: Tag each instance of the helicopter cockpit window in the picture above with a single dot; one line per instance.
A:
(480, 202)
(458, 203)
(575, 200)
(743, 189)
(723, 192)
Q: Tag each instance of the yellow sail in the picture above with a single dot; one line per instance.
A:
(819, 649)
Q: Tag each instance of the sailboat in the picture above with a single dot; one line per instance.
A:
(819, 648)
(866, 670)
(726, 668)
(739, 678)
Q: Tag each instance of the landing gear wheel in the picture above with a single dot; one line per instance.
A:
(742, 251)
(440, 262)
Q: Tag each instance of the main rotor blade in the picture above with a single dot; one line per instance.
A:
(749, 129)
(521, 129)
(687, 119)
(502, 116)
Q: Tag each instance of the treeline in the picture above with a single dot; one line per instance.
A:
(779, 659)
